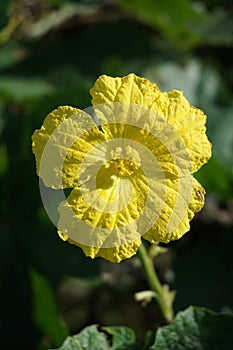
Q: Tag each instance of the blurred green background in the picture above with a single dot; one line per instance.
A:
(51, 52)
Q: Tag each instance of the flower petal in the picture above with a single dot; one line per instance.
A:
(131, 174)
(104, 217)
(57, 156)
(150, 131)
(173, 221)
(114, 254)
(130, 89)
(188, 121)
(106, 232)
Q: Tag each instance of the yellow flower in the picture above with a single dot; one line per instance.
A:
(129, 161)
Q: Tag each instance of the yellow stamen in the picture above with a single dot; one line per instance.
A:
(124, 166)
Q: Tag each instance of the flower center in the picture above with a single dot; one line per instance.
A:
(124, 164)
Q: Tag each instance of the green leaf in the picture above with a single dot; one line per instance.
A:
(196, 328)
(11, 53)
(88, 338)
(21, 89)
(172, 21)
(149, 340)
(46, 313)
(217, 30)
(102, 338)
(122, 337)
(56, 18)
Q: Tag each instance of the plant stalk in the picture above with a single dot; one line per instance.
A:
(162, 295)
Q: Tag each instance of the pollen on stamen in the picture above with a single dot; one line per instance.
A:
(124, 162)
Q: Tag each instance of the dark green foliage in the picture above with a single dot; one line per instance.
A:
(52, 57)
(102, 338)
(193, 329)
(196, 328)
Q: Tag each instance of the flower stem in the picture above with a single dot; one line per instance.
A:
(163, 296)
